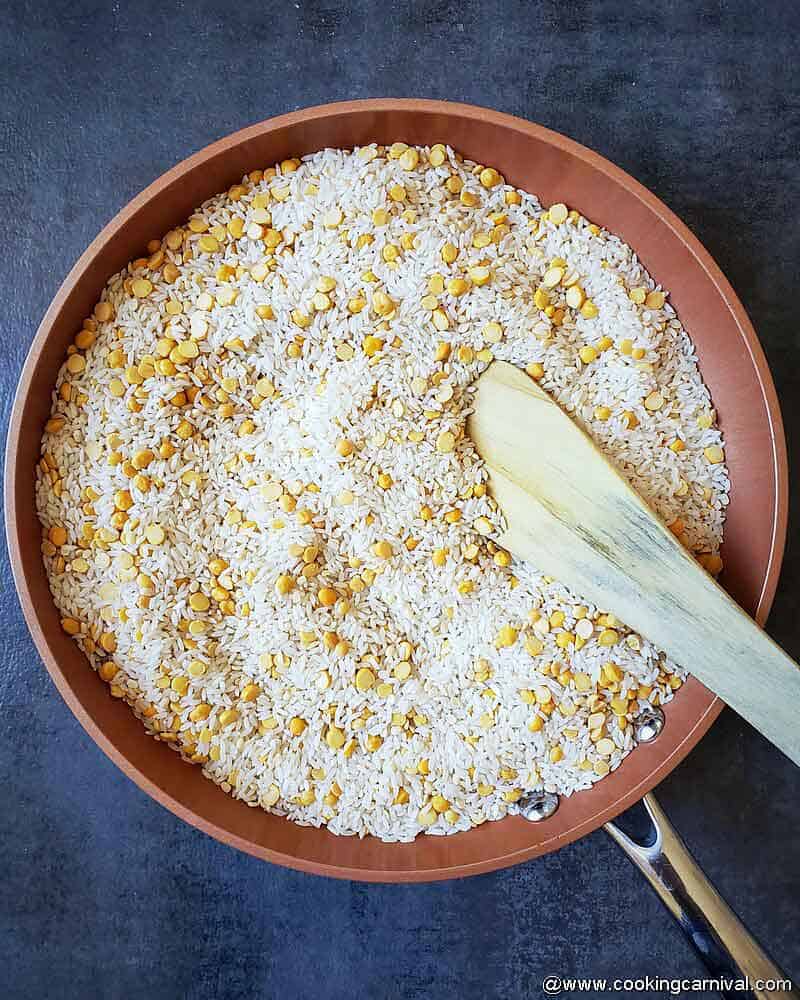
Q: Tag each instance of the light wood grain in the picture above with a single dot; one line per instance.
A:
(573, 515)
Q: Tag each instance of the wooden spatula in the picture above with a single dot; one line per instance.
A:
(576, 518)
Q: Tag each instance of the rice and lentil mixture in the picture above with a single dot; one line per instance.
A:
(267, 530)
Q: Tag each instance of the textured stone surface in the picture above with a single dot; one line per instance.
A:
(103, 893)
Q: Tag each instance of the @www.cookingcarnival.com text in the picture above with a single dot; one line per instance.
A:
(553, 986)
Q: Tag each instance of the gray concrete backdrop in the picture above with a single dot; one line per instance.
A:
(104, 894)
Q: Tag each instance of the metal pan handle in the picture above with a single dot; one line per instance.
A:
(723, 943)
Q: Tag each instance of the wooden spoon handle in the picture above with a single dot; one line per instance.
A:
(593, 532)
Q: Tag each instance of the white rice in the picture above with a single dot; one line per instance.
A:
(460, 680)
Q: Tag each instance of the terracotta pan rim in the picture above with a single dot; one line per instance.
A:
(508, 122)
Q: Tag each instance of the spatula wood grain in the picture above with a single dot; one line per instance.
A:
(573, 515)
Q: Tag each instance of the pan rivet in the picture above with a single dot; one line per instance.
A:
(649, 724)
(538, 806)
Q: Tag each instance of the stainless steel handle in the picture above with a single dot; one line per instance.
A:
(723, 943)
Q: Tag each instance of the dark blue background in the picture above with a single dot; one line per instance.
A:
(103, 893)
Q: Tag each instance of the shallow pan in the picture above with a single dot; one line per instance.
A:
(556, 169)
